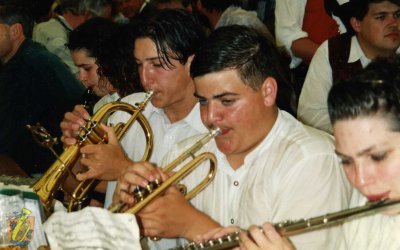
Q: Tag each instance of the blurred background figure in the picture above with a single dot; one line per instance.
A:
(35, 86)
(53, 34)
(375, 32)
(228, 12)
(132, 9)
(300, 27)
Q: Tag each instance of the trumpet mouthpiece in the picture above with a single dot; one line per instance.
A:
(215, 131)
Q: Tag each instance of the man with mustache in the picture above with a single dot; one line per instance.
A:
(375, 25)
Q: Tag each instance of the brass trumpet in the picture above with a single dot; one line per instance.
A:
(54, 178)
(289, 228)
(144, 195)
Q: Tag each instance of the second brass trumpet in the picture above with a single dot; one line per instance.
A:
(157, 188)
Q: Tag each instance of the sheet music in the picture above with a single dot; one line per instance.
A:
(92, 228)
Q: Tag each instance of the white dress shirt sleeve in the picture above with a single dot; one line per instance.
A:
(313, 107)
(289, 16)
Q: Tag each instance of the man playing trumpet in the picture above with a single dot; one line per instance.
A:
(163, 49)
(270, 166)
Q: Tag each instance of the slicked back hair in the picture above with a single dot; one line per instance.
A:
(250, 53)
(360, 8)
(374, 92)
(175, 32)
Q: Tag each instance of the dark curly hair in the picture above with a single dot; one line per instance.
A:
(117, 62)
(112, 46)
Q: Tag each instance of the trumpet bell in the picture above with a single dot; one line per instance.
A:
(54, 178)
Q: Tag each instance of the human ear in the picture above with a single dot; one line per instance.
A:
(355, 24)
(269, 91)
(188, 63)
(16, 31)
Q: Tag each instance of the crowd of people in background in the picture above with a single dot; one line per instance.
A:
(305, 94)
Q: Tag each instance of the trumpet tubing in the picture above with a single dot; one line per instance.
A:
(54, 178)
(154, 189)
(289, 227)
(51, 181)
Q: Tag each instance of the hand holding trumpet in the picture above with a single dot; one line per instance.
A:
(103, 161)
(163, 210)
(72, 124)
(170, 214)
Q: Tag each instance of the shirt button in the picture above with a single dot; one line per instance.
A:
(232, 221)
(236, 183)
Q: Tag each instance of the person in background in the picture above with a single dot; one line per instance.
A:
(376, 24)
(270, 165)
(100, 49)
(300, 27)
(35, 87)
(132, 9)
(228, 12)
(53, 34)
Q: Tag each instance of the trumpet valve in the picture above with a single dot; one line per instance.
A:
(93, 134)
(182, 188)
(140, 193)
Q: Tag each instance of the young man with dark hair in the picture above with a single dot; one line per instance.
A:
(163, 49)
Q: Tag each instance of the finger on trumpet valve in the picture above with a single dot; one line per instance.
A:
(140, 192)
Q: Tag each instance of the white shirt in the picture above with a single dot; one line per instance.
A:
(289, 15)
(313, 102)
(294, 173)
(236, 15)
(53, 35)
(165, 136)
(105, 99)
(374, 232)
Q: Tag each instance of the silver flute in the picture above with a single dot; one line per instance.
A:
(292, 227)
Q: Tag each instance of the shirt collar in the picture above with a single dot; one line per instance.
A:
(193, 119)
(63, 22)
(356, 53)
(267, 141)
